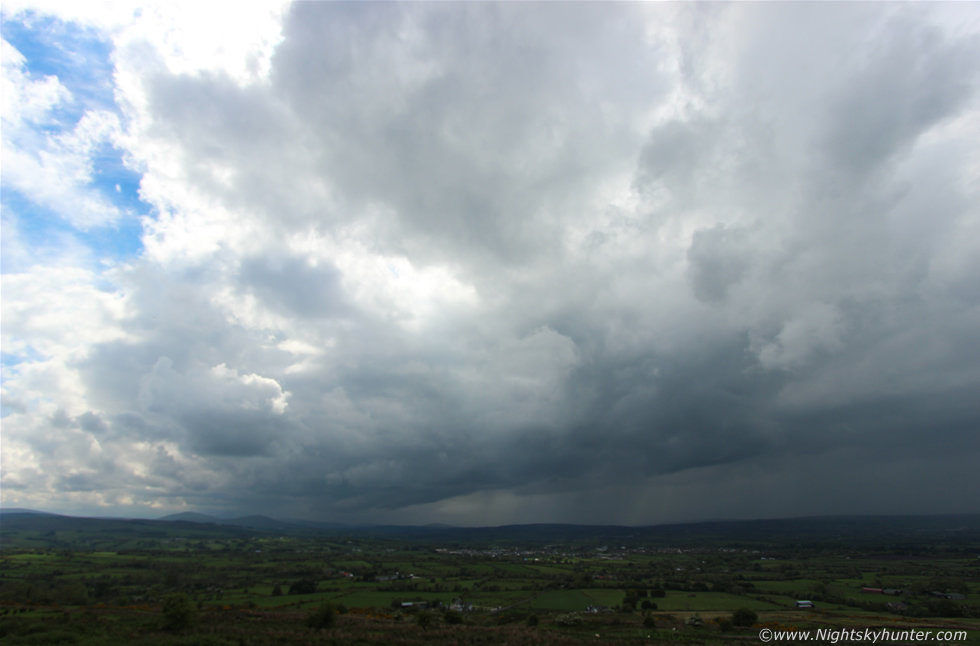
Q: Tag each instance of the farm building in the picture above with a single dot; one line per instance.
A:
(461, 606)
(954, 596)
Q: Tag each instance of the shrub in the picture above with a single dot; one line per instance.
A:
(423, 620)
(322, 618)
(744, 617)
(649, 622)
(532, 620)
(452, 617)
(695, 621)
(648, 605)
(178, 612)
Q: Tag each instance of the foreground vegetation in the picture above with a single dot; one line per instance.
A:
(201, 584)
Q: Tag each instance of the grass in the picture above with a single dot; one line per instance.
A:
(604, 597)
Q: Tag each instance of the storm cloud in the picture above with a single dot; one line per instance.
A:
(482, 263)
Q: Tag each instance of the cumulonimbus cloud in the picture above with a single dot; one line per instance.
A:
(428, 261)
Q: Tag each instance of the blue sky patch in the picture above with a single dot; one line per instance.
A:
(116, 182)
(41, 229)
(82, 61)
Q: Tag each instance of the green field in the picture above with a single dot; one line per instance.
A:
(715, 601)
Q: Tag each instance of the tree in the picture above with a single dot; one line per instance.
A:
(277, 591)
(744, 617)
(178, 612)
(305, 586)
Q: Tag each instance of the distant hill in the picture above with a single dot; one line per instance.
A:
(19, 510)
(254, 522)
(899, 534)
(192, 517)
(316, 524)
(52, 531)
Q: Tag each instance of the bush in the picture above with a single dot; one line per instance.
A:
(649, 622)
(322, 618)
(423, 620)
(569, 619)
(532, 620)
(725, 626)
(178, 612)
(744, 617)
(452, 617)
(648, 605)
(197, 640)
(303, 587)
(695, 621)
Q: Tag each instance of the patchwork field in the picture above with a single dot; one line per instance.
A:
(230, 587)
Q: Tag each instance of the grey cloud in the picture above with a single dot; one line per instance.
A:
(221, 411)
(676, 154)
(227, 135)
(464, 121)
(294, 288)
(910, 81)
(92, 423)
(718, 258)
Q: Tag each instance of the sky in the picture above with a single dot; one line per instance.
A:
(491, 263)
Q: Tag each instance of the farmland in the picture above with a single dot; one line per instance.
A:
(72, 582)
